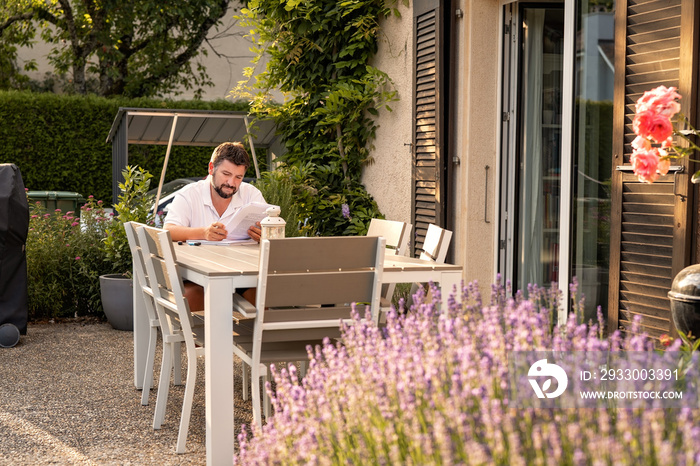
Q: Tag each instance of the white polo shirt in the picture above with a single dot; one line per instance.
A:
(193, 207)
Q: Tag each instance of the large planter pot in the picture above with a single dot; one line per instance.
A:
(118, 300)
(685, 300)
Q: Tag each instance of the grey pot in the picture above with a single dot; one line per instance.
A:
(118, 300)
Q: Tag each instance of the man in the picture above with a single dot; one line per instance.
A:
(200, 210)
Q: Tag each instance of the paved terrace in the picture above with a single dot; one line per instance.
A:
(68, 397)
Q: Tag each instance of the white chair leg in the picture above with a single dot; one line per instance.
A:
(255, 388)
(163, 385)
(267, 405)
(148, 371)
(187, 401)
(177, 364)
(246, 381)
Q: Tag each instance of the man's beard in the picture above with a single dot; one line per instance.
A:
(224, 195)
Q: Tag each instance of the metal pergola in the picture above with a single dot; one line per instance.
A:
(184, 128)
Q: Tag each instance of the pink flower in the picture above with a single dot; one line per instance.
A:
(77, 258)
(645, 164)
(74, 224)
(641, 143)
(648, 124)
(661, 100)
(663, 166)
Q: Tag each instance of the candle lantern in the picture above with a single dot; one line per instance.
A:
(273, 225)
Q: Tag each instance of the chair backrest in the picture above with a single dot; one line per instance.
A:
(397, 234)
(436, 243)
(168, 288)
(139, 266)
(307, 285)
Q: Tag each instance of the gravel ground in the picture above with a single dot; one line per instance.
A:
(68, 397)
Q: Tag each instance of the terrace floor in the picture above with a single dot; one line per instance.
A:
(68, 397)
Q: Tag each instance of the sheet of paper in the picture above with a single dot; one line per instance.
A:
(245, 217)
(225, 242)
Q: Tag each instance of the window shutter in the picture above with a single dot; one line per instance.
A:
(428, 199)
(650, 224)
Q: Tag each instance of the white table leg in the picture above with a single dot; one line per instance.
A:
(141, 335)
(448, 280)
(218, 375)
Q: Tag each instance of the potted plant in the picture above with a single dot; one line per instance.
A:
(116, 289)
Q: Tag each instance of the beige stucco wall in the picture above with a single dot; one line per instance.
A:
(388, 179)
(477, 140)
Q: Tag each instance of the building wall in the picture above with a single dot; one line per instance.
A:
(388, 179)
(477, 140)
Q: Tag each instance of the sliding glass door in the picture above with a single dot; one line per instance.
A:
(556, 145)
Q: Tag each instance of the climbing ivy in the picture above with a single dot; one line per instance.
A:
(318, 55)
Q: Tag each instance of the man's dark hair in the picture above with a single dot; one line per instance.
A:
(234, 152)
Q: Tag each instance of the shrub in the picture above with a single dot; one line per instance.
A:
(134, 205)
(431, 389)
(284, 187)
(58, 141)
(65, 257)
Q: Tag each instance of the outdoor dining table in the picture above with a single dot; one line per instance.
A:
(221, 270)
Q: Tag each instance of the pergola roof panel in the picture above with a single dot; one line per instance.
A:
(194, 127)
(191, 128)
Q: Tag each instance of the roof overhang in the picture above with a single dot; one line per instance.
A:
(188, 128)
(193, 127)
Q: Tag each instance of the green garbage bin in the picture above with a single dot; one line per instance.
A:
(52, 200)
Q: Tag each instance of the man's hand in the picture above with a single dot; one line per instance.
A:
(255, 232)
(215, 232)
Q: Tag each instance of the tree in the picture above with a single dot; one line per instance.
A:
(142, 48)
(319, 54)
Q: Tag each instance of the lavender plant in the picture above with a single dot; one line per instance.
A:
(431, 388)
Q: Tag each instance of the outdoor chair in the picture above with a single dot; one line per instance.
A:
(306, 287)
(435, 246)
(144, 284)
(397, 236)
(178, 324)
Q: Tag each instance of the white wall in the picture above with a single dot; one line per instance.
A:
(477, 140)
(388, 179)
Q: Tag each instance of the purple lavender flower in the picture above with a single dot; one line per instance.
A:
(429, 388)
(346, 211)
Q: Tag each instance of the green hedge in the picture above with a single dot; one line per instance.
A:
(59, 141)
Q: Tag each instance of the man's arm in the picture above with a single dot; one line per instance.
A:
(213, 232)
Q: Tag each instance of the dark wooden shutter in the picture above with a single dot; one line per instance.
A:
(650, 223)
(428, 194)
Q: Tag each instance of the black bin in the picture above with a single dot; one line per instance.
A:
(14, 226)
